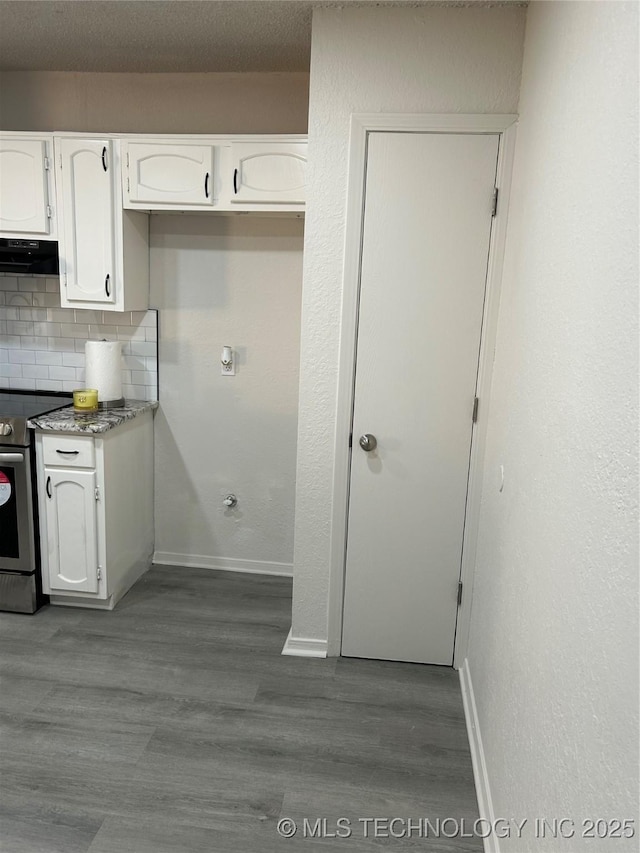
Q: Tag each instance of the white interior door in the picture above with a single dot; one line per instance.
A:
(427, 228)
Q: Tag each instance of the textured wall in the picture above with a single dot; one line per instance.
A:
(554, 637)
(388, 60)
(154, 103)
(233, 280)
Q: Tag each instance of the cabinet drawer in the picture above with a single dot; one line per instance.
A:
(69, 451)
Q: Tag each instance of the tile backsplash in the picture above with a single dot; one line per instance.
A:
(42, 344)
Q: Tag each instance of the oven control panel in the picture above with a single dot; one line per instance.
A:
(14, 431)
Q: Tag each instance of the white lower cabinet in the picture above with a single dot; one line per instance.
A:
(71, 516)
(96, 512)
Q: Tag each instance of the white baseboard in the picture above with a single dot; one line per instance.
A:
(481, 777)
(304, 647)
(224, 564)
(87, 603)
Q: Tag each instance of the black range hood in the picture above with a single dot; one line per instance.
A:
(29, 256)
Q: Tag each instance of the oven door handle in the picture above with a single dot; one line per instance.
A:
(11, 457)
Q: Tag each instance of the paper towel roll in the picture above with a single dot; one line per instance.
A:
(103, 369)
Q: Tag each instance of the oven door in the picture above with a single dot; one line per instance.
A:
(17, 552)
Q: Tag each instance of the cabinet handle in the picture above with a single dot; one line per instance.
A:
(206, 185)
(68, 452)
(107, 285)
(235, 181)
(48, 487)
(104, 158)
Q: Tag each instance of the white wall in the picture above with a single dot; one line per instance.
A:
(232, 280)
(154, 103)
(389, 60)
(553, 648)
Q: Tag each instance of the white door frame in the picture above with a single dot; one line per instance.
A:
(361, 125)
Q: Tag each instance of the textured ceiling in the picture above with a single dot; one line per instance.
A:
(164, 35)
(154, 35)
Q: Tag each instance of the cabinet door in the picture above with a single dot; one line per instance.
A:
(88, 244)
(165, 174)
(24, 202)
(269, 172)
(71, 519)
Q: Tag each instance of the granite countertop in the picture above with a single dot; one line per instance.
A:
(68, 420)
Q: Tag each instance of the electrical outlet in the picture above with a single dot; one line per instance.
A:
(227, 361)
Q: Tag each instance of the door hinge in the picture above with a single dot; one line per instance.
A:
(127, 159)
(99, 575)
(47, 164)
(49, 212)
(474, 416)
(61, 161)
(65, 279)
(494, 208)
(97, 493)
(128, 184)
(459, 593)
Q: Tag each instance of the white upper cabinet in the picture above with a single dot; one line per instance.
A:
(269, 173)
(104, 250)
(88, 203)
(91, 193)
(26, 187)
(164, 176)
(217, 173)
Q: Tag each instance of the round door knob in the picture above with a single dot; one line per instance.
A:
(368, 442)
(5, 429)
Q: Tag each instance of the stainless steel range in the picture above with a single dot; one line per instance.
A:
(20, 581)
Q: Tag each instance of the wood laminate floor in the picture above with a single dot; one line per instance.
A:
(174, 725)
